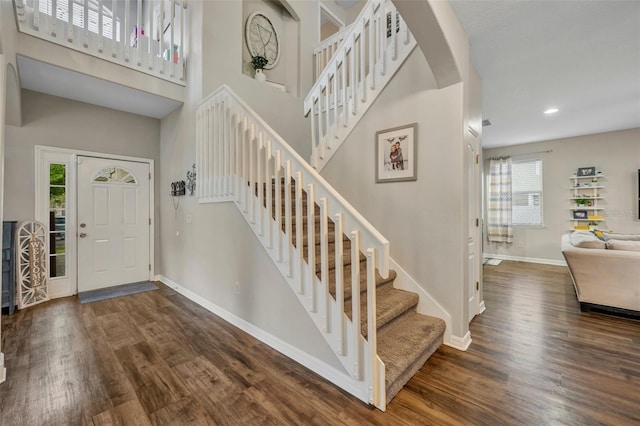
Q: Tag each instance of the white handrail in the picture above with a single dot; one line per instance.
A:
(324, 51)
(372, 50)
(239, 158)
(116, 36)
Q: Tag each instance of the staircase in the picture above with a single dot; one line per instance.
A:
(406, 339)
(372, 49)
(338, 268)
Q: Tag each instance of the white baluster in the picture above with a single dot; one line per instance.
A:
(70, 21)
(269, 193)
(287, 216)
(252, 173)
(314, 138)
(339, 253)
(324, 262)
(311, 246)
(278, 206)
(352, 78)
(139, 31)
(151, 35)
(372, 338)
(210, 131)
(394, 35)
(259, 182)
(238, 152)
(246, 154)
(382, 44)
(171, 37)
(124, 40)
(343, 83)
(85, 25)
(54, 17)
(299, 225)
(356, 348)
(363, 61)
(36, 14)
(371, 42)
(160, 55)
(335, 89)
(183, 10)
(100, 27)
(198, 149)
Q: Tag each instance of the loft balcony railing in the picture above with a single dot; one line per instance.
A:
(147, 36)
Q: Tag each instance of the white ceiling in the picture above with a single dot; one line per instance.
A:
(582, 57)
(45, 78)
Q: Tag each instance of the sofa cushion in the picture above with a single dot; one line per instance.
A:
(586, 239)
(623, 245)
(626, 237)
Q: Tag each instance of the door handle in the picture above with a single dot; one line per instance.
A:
(83, 234)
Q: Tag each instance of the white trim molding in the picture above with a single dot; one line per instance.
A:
(319, 367)
(48, 154)
(526, 259)
(461, 343)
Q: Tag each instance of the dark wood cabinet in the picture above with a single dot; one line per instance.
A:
(8, 266)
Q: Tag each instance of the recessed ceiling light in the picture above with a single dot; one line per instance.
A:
(551, 111)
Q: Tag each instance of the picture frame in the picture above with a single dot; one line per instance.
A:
(580, 214)
(586, 171)
(396, 154)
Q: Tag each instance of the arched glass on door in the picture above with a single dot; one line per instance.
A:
(115, 175)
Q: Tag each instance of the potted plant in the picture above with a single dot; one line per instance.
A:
(581, 201)
(259, 62)
(593, 225)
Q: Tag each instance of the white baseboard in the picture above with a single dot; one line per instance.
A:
(526, 259)
(427, 304)
(481, 308)
(3, 370)
(319, 367)
(461, 343)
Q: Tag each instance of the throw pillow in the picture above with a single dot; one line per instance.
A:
(586, 239)
(623, 245)
(626, 237)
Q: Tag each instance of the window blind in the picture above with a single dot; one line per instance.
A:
(527, 192)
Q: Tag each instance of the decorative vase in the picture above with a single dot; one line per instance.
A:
(260, 76)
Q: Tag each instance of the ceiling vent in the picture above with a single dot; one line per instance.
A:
(486, 123)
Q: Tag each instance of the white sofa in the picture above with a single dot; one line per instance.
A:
(605, 273)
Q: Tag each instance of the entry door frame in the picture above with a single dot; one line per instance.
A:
(44, 155)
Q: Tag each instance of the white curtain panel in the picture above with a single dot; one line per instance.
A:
(499, 224)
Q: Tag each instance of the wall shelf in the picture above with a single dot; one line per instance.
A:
(586, 188)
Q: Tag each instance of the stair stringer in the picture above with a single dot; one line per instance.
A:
(334, 106)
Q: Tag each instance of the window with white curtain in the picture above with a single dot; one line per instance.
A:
(62, 13)
(526, 190)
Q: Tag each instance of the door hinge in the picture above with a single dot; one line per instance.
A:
(150, 222)
(477, 158)
(477, 286)
(149, 266)
(149, 175)
(477, 221)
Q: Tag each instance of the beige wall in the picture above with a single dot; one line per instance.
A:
(422, 219)
(218, 249)
(617, 154)
(58, 122)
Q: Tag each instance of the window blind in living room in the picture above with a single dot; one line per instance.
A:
(527, 192)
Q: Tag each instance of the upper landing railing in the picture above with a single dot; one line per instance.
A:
(147, 36)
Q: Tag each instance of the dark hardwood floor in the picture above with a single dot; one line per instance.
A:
(157, 358)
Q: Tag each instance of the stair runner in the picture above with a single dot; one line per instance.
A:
(406, 339)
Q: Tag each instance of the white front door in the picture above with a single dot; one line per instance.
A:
(113, 222)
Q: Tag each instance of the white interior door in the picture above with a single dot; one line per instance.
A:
(113, 222)
(473, 260)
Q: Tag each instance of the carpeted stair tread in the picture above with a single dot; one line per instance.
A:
(391, 303)
(380, 282)
(405, 344)
(332, 259)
